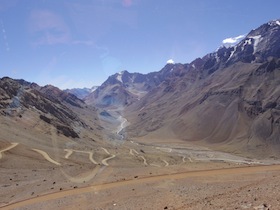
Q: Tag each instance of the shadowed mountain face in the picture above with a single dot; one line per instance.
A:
(52, 105)
(229, 99)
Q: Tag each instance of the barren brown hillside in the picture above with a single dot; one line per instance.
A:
(228, 99)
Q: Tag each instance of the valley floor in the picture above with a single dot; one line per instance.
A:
(135, 175)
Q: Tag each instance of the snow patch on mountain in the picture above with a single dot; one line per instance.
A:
(217, 57)
(232, 52)
(119, 77)
(247, 42)
(275, 22)
(257, 40)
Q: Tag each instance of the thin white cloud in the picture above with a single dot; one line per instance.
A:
(233, 40)
(170, 61)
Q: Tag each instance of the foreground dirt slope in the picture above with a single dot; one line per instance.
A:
(43, 171)
(42, 168)
(235, 188)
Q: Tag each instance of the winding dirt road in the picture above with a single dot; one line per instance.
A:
(8, 148)
(133, 150)
(104, 161)
(69, 152)
(166, 163)
(90, 154)
(105, 150)
(46, 156)
(144, 159)
(177, 176)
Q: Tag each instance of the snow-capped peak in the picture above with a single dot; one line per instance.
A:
(119, 77)
(274, 23)
(121, 72)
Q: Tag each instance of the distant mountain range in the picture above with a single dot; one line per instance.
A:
(81, 93)
(228, 99)
(124, 88)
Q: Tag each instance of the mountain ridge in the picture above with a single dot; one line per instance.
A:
(228, 99)
(246, 50)
(49, 104)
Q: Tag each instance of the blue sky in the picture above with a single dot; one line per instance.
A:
(79, 43)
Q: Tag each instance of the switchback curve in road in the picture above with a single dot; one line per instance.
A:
(104, 161)
(8, 148)
(46, 156)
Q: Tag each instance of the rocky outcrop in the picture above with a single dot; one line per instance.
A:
(19, 95)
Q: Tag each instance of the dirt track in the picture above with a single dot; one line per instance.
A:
(144, 180)
(8, 148)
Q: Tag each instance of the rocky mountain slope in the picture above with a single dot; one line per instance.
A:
(118, 90)
(48, 105)
(124, 88)
(229, 99)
